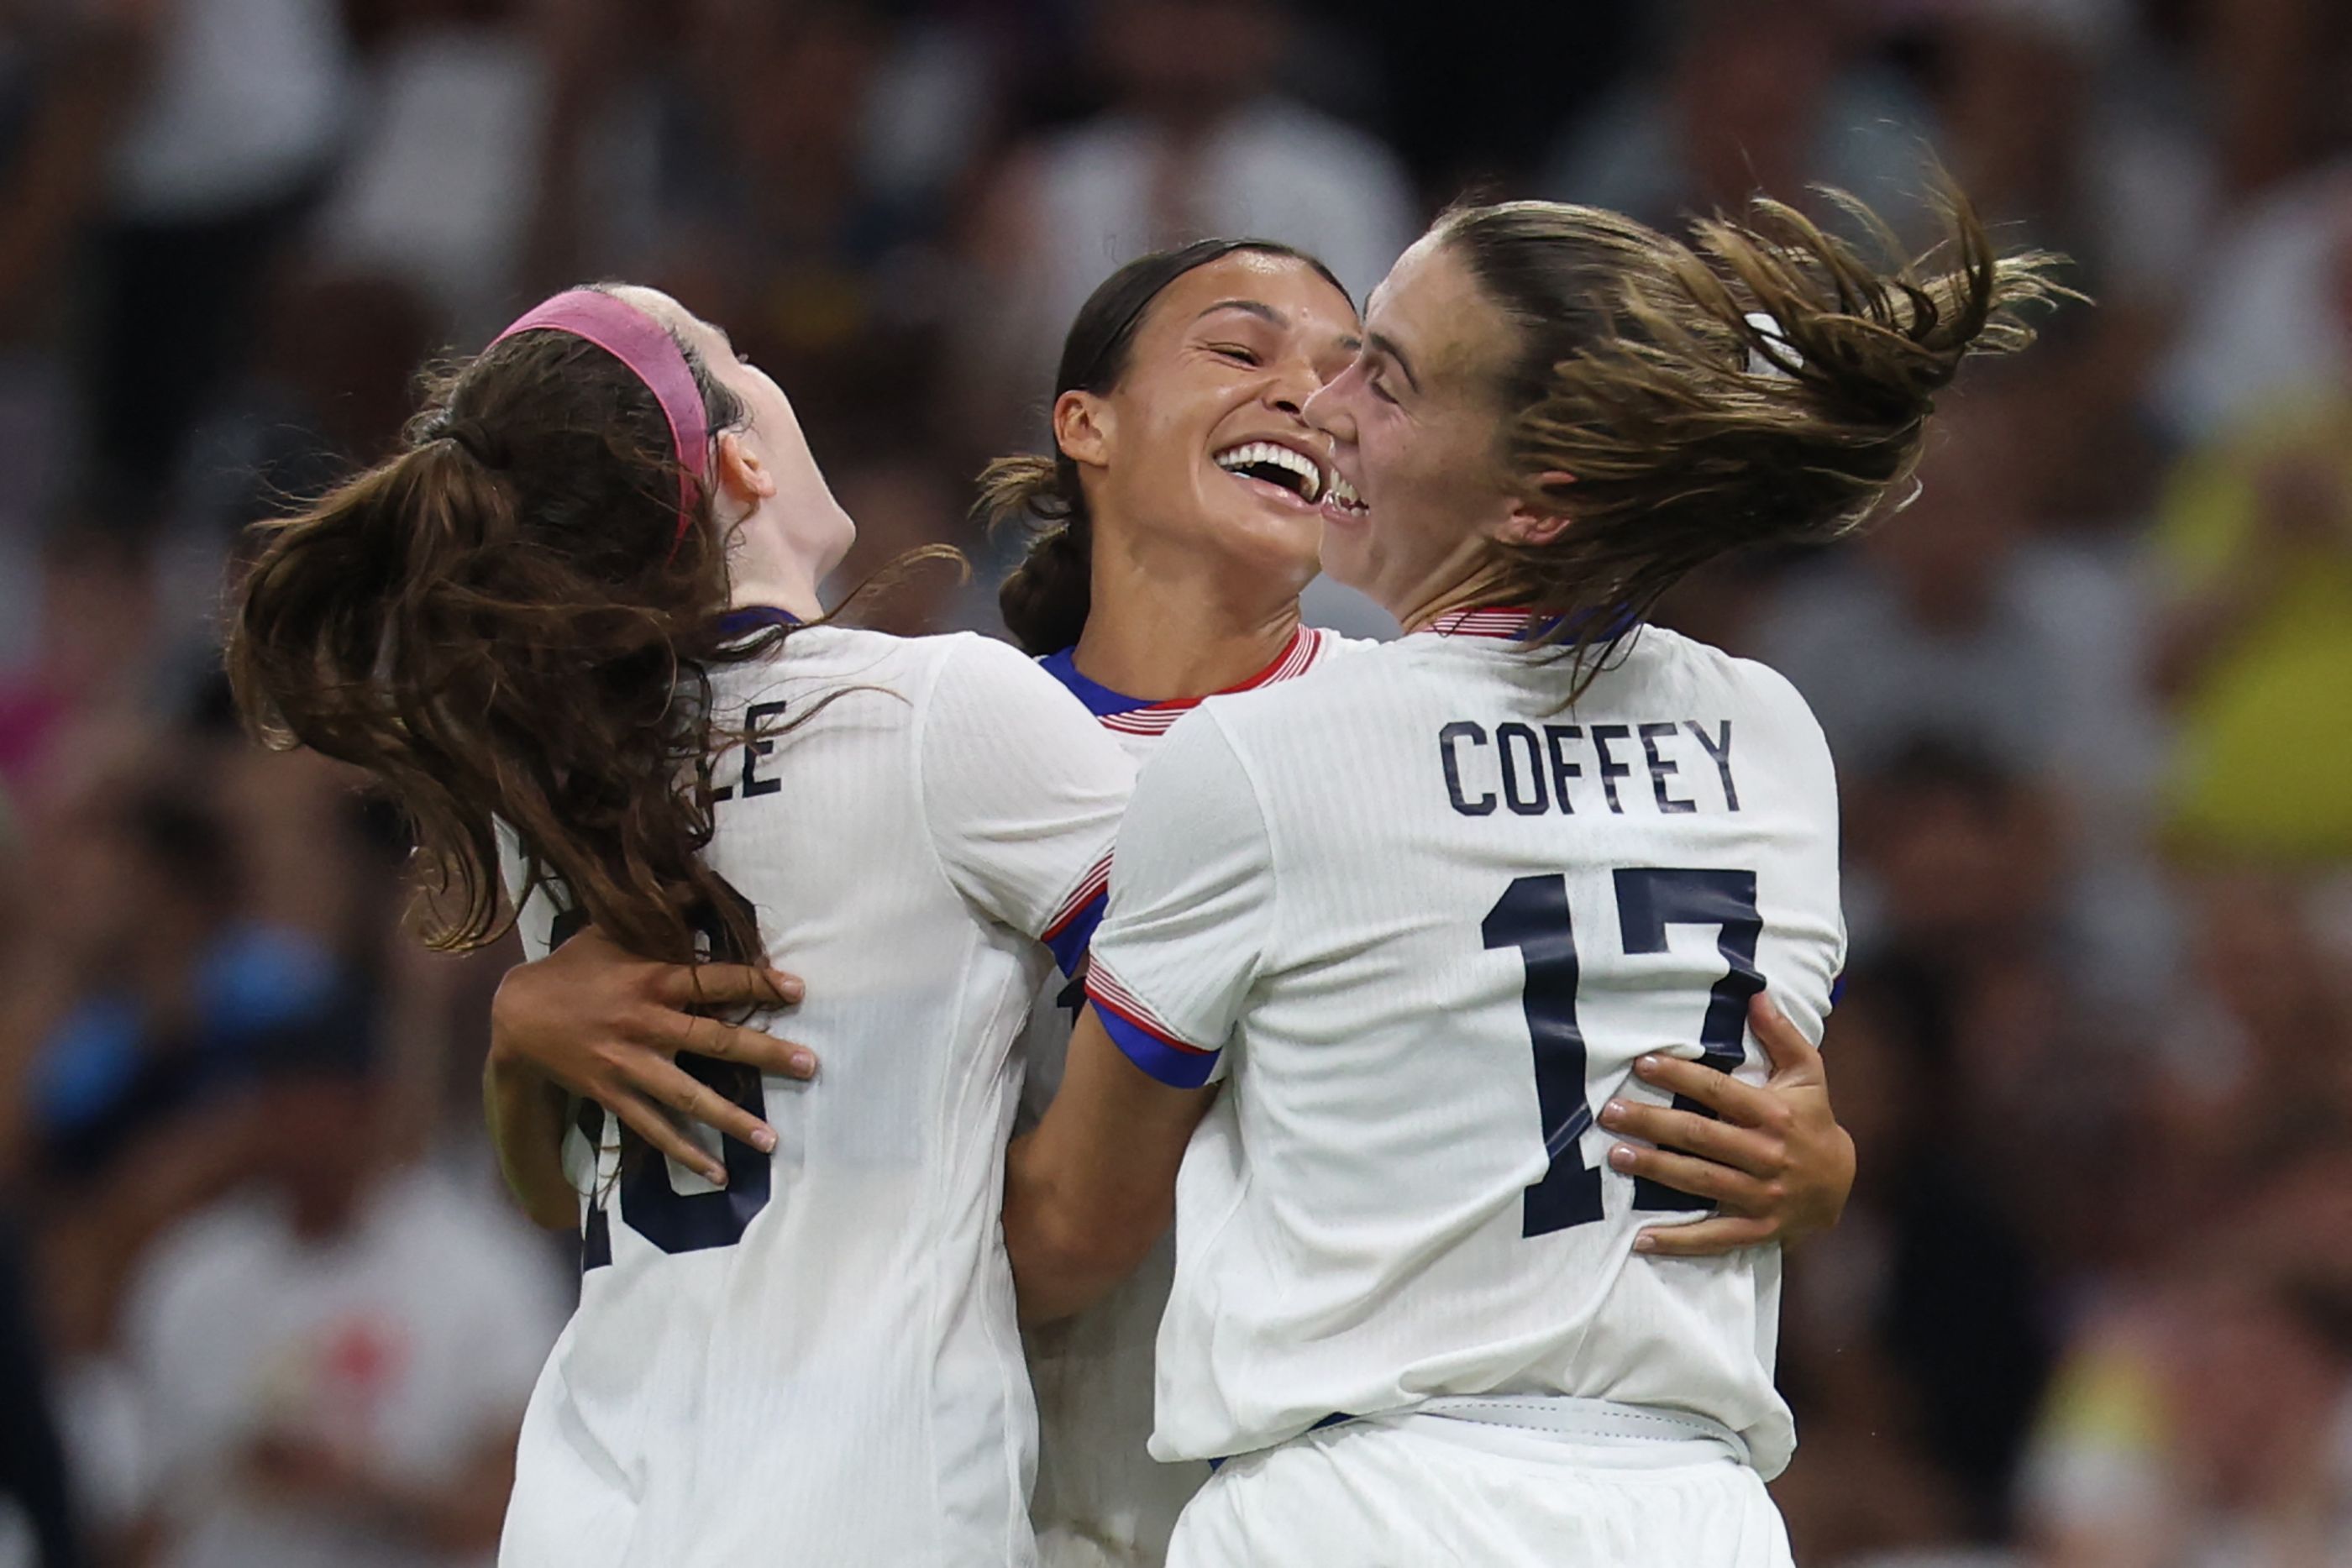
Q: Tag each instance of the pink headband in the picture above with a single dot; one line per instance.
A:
(646, 347)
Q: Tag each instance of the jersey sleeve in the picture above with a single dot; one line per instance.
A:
(1023, 793)
(1191, 908)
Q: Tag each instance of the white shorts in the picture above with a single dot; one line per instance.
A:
(1423, 1491)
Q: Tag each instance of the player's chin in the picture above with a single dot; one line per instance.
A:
(1346, 556)
(1276, 537)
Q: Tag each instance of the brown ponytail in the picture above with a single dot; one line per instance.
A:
(1769, 388)
(1047, 598)
(495, 625)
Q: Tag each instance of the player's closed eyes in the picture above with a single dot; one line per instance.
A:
(1237, 353)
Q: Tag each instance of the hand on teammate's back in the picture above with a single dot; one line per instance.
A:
(1776, 1164)
(607, 1026)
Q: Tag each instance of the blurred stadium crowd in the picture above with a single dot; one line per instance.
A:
(261, 1305)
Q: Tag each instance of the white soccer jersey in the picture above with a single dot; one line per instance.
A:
(1425, 918)
(1101, 1497)
(819, 1363)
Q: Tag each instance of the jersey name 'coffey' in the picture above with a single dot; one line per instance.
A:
(1426, 917)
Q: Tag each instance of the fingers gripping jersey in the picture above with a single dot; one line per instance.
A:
(1424, 917)
(820, 1363)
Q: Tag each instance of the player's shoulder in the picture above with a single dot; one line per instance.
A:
(978, 680)
(915, 668)
(1711, 680)
(1689, 659)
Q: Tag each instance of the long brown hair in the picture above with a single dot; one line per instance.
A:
(1045, 600)
(1768, 387)
(504, 623)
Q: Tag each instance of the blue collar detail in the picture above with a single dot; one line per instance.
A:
(746, 619)
(1101, 700)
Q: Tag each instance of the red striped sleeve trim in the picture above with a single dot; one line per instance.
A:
(1104, 989)
(1090, 887)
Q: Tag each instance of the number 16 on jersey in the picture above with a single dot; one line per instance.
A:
(1533, 916)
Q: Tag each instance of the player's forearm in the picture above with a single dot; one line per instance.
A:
(526, 1114)
(1090, 1192)
(1070, 1240)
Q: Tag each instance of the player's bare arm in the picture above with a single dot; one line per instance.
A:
(605, 1025)
(1777, 1164)
(1091, 1189)
(527, 1114)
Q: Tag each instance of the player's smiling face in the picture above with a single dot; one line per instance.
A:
(1203, 441)
(1415, 428)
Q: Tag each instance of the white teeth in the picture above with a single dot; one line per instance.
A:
(1272, 455)
(1343, 494)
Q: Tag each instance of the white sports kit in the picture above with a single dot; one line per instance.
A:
(1102, 1501)
(1424, 915)
(1421, 913)
(819, 1363)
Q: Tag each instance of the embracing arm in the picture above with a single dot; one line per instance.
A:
(595, 1019)
(1090, 1190)
(1774, 1158)
(527, 1113)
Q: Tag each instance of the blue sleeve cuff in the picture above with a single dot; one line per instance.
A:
(1172, 1062)
(1075, 931)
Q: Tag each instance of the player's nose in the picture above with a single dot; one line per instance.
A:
(1326, 411)
(1289, 387)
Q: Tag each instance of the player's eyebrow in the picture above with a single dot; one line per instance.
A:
(1259, 308)
(1381, 343)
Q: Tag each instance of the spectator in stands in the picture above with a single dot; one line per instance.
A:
(334, 1362)
(1749, 97)
(38, 1528)
(1198, 139)
(239, 119)
(2200, 1416)
(2255, 540)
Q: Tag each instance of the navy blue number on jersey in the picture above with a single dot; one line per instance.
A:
(1533, 916)
(672, 1221)
(1648, 901)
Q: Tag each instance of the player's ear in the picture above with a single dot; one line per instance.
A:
(1541, 521)
(743, 475)
(1083, 426)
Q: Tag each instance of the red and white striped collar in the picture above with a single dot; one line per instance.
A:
(1297, 656)
(1496, 621)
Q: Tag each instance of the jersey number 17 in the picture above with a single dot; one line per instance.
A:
(1532, 916)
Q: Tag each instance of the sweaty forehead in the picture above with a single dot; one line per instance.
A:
(1432, 309)
(1289, 287)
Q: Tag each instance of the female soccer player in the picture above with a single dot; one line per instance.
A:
(1422, 914)
(569, 615)
(1182, 529)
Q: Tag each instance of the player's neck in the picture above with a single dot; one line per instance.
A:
(1163, 639)
(796, 596)
(763, 570)
(1480, 589)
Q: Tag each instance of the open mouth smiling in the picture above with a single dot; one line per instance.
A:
(1298, 475)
